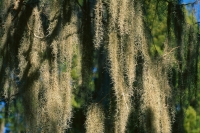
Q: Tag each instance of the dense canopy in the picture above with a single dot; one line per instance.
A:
(97, 66)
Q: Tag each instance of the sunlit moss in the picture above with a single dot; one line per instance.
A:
(95, 119)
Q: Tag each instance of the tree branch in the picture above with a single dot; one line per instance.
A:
(8, 98)
(190, 3)
(80, 6)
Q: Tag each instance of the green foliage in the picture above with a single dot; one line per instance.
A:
(15, 119)
(156, 19)
(192, 121)
(81, 1)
